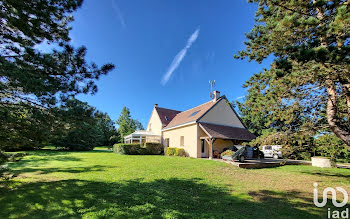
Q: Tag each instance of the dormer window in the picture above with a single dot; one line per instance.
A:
(167, 118)
(194, 113)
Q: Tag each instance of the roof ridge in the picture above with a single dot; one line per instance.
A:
(201, 105)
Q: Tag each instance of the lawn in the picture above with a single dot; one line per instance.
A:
(101, 184)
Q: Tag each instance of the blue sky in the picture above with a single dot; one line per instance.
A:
(164, 51)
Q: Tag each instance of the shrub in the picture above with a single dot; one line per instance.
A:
(170, 151)
(331, 146)
(130, 149)
(175, 152)
(153, 148)
(305, 155)
(143, 151)
(180, 152)
(136, 149)
(227, 153)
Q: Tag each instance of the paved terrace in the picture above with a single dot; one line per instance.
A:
(265, 163)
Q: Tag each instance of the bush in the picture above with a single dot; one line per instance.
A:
(170, 151)
(227, 153)
(136, 149)
(305, 155)
(153, 148)
(130, 149)
(175, 152)
(180, 152)
(331, 146)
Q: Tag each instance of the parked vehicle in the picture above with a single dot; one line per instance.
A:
(233, 148)
(246, 152)
(273, 151)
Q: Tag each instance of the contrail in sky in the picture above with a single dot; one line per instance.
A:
(179, 57)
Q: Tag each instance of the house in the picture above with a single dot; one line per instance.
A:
(201, 131)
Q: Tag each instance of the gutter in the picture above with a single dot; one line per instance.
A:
(181, 125)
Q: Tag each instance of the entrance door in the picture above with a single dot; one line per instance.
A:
(204, 148)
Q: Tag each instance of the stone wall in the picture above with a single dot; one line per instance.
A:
(321, 162)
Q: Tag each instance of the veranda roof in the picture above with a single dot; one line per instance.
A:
(227, 132)
(139, 133)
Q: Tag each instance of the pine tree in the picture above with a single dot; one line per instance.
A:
(310, 74)
(82, 127)
(127, 124)
(31, 81)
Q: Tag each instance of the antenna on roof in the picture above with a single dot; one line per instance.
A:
(212, 84)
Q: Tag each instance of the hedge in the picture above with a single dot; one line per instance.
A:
(175, 152)
(136, 149)
(153, 148)
(131, 149)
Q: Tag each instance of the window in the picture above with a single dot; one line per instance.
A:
(268, 147)
(182, 141)
(194, 113)
(166, 142)
(150, 127)
(166, 118)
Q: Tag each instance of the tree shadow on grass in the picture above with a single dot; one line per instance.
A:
(94, 168)
(333, 173)
(47, 152)
(283, 201)
(40, 160)
(176, 198)
(56, 152)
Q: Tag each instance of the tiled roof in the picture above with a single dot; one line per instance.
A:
(227, 132)
(166, 115)
(192, 114)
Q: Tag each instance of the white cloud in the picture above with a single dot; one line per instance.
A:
(241, 97)
(179, 57)
(119, 13)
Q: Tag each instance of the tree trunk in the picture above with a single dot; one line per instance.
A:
(332, 96)
(332, 113)
(347, 97)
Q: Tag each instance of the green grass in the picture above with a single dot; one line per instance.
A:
(101, 184)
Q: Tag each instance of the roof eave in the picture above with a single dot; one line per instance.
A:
(180, 125)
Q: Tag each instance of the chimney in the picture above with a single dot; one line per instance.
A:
(156, 105)
(216, 95)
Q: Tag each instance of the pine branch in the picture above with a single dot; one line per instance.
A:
(289, 9)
